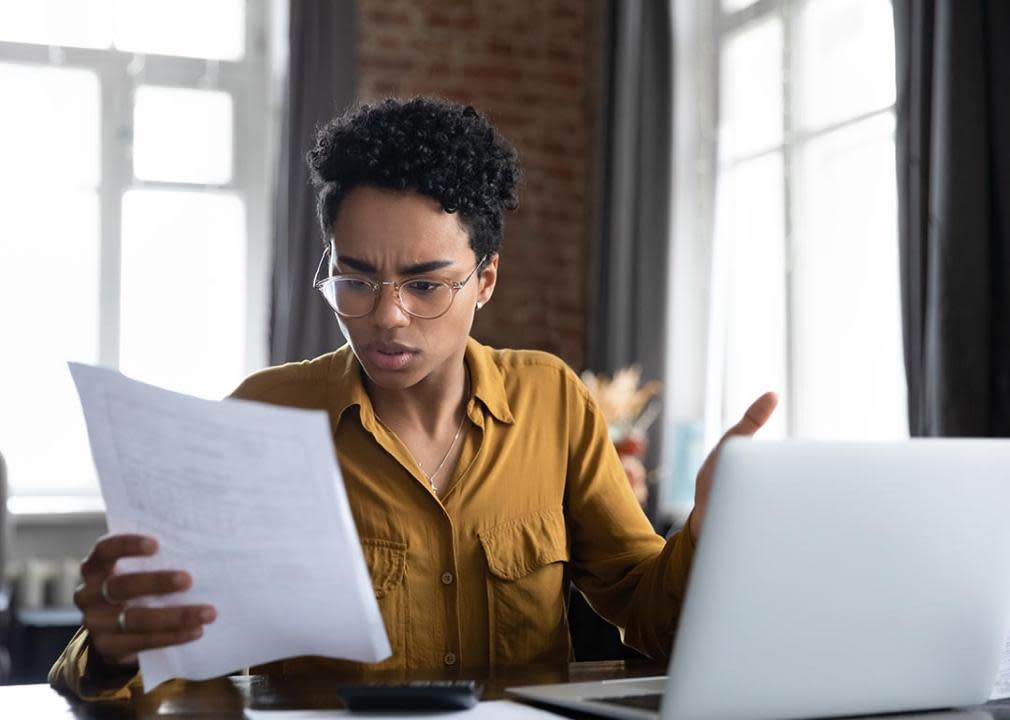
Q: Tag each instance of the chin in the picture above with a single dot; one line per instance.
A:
(388, 381)
(392, 379)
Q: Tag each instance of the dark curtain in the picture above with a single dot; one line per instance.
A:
(629, 272)
(953, 154)
(320, 85)
(630, 260)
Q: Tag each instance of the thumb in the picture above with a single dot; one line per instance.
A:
(756, 416)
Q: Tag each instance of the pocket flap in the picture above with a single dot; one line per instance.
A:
(518, 547)
(387, 562)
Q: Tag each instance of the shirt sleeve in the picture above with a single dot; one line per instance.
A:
(80, 672)
(629, 574)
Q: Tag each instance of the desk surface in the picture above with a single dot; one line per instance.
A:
(226, 697)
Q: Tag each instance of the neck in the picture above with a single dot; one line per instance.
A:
(436, 402)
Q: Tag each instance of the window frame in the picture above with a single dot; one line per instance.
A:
(701, 29)
(793, 139)
(250, 81)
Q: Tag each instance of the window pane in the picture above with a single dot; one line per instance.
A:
(750, 90)
(846, 307)
(49, 260)
(731, 6)
(749, 312)
(73, 23)
(190, 28)
(183, 290)
(39, 143)
(182, 135)
(843, 60)
(48, 315)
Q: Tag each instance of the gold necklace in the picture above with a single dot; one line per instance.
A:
(431, 478)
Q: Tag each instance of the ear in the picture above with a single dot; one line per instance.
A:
(486, 280)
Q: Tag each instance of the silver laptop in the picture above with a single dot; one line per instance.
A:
(835, 579)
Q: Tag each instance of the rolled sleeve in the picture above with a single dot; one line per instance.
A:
(80, 673)
(629, 574)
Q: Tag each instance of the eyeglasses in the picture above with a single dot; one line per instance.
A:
(354, 296)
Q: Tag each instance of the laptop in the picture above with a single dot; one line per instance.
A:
(834, 579)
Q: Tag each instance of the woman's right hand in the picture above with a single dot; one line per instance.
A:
(118, 630)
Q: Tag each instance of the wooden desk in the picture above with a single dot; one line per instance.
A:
(226, 697)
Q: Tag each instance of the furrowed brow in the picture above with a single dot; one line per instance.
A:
(425, 267)
(355, 264)
(404, 270)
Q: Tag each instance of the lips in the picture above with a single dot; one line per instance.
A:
(390, 356)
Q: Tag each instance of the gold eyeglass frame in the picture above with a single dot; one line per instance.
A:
(377, 285)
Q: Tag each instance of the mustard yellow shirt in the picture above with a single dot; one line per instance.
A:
(479, 578)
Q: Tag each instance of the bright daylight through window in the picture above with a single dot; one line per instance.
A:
(805, 256)
(132, 232)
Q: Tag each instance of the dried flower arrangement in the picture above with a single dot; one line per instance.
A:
(629, 411)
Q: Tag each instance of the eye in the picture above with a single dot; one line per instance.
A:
(423, 287)
(356, 285)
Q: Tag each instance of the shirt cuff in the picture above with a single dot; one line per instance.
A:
(81, 672)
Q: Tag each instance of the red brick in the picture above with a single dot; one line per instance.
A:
(534, 67)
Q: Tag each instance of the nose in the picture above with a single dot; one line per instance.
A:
(387, 312)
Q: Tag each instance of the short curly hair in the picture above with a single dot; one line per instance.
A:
(443, 150)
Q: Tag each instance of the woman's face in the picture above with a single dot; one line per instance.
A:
(387, 235)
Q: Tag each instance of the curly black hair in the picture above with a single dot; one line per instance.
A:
(445, 151)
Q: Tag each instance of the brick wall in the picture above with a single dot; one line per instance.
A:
(535, 68)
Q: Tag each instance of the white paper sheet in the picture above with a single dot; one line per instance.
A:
(1002, 687)
(248, 498)
(491, 710)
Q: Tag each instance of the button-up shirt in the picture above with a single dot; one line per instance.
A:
(479, 577)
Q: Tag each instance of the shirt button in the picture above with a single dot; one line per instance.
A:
(449, 659)
(447, 578)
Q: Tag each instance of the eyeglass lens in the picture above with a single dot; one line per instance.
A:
(354, 297)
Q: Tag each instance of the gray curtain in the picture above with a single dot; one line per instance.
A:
(320, 84)
(630, 259)
(953, 153)
(629, 268)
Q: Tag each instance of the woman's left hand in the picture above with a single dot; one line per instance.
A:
(755, 417)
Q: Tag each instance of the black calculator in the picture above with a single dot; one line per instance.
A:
(415, 695)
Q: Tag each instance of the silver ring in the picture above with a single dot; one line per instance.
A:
(121, 621)
(105, 592)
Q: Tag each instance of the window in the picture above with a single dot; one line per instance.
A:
(134, 183)
(791, 164)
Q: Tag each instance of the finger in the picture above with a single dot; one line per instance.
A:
(89, 595)
(756, 416)
(122, 648)
(108, 550)
(151, 620)
(130, 586)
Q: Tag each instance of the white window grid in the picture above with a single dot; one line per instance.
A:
(728, 24)
(252, 85)
(120, 74)
(700, 30)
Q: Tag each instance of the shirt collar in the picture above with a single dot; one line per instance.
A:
(487, 380)
(347, 389)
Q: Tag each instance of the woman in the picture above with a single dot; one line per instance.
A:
(481, 480)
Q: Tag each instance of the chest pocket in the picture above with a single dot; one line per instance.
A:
(526, 586)
(387, 565)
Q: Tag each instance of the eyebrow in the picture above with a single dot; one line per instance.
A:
(416, 269)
